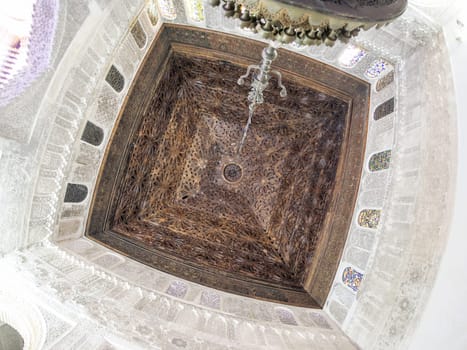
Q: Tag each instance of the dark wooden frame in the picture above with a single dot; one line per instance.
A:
(242, 52)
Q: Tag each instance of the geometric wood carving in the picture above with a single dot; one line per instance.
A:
(269, 223)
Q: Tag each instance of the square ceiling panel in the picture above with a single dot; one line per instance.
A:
(267, 222)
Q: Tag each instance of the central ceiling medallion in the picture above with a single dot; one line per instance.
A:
(266, 220)
(232, 172)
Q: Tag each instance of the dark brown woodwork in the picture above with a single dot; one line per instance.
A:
(269, 223)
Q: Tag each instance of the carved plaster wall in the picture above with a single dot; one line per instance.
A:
(127, 303)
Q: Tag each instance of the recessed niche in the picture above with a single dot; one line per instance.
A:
(385, 81)
(10, 339)
(380, 161)
(369, 218)
(92, 134)
(384, 109)
(138, 34)
(75, 193)
(115, 79)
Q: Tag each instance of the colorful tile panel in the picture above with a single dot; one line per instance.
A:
(177, 289)
(351, 56)
(369, 218)
(380, 161)
(167, 9)
(377, 68)
(286, 316)
(352, 278)
(138, 34)
(115, 79)
(196, 10)
(384, 109)
(153, 13)
(211, 299)
(385, 81)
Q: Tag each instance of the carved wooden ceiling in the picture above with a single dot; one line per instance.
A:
(269, 223)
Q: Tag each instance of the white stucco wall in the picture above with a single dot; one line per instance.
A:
(444, 323)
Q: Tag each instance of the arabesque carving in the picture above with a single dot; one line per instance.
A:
(184, 200)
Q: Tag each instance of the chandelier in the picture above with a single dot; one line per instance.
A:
(311, 22)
